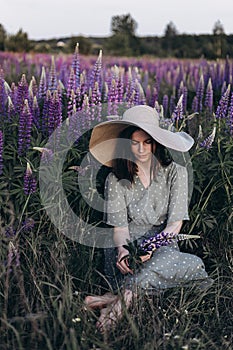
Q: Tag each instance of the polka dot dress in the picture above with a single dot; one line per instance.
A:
(143, 209)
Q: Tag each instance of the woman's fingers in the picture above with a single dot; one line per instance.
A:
(123, 265)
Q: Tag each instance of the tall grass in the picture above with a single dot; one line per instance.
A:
(45, 276)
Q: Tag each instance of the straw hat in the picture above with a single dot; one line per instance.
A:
(105, 135)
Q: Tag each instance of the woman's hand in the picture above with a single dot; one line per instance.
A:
(122, 261)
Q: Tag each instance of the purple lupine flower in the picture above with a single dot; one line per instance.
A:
(163, 239)
(183, 91)
(209, 96)
(207, 143)
(195, 104)
(42, 85)
(52, 84)
(29, 181)
(178, 111)
(10, 232)
(76, 65)
(22, 93)
(1, 152)
(33, 86)
(2, 93)
(200, 93)
(112, 98)
(13, 94)
(165, 105)
(227, 71)
(36, 112)
(95, 74)
(10, 108)
(25, 127)
(71, 105)
(55, 113)
(28, 225)
(230, 115)
(71, 83)
(45, 113)
(95, 103)
(222, 108)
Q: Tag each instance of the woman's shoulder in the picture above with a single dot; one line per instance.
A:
(175, 169)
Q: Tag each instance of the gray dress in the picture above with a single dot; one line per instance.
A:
(146, 211)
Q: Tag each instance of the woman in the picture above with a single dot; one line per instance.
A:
(146, 193)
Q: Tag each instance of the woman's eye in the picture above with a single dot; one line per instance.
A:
(148, 142)
(134, 142)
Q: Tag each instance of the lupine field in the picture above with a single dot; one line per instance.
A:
(45, 275)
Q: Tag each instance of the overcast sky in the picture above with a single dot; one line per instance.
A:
(46, 19)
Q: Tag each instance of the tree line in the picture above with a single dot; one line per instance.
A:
(123, 41)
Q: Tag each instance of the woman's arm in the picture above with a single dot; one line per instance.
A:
(120, 236)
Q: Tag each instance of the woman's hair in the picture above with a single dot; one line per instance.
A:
(125, 168)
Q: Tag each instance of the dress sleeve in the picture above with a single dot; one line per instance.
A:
(115, 203)
(178, 198)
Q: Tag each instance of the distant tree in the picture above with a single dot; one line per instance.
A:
(220, 40)
(170, 30)
(2, 37)
(18, 42)
(218, 28)
(123, 40)
(123, 24)
(169, 39)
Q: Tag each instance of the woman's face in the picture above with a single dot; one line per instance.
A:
(141, 146)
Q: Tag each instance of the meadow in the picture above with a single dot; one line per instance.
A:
(48, 106)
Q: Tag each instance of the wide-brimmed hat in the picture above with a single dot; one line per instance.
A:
(105, 135)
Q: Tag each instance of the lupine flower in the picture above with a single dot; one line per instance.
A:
(207, 143)
(230, 115)
(1, 152)
(33, 87)
(13, 94)
(209, 96)
(71, 83)
(71, 106)
(76, 65)
(25, 126)
(22, 93)
(52, 85)
(222, 108)
(42, 85)
(10, 108)
(178, 111)
(163, 239)
(2, 93)
(10, 232)
(55, 113)
(45, 112)
(165, 104)
(95, 74)
(200, 94)
(28, 225)
(29, 181)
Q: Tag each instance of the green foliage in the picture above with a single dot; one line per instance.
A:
(18, 42)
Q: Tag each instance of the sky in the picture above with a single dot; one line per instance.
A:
(47, 19)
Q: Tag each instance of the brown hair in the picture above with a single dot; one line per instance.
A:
(125, 168)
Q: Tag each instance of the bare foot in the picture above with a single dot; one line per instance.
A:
(99, 301)
(110, 315)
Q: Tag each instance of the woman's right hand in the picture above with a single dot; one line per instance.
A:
(122, 261)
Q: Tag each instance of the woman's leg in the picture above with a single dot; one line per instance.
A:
(113, 313)
(99, 301)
